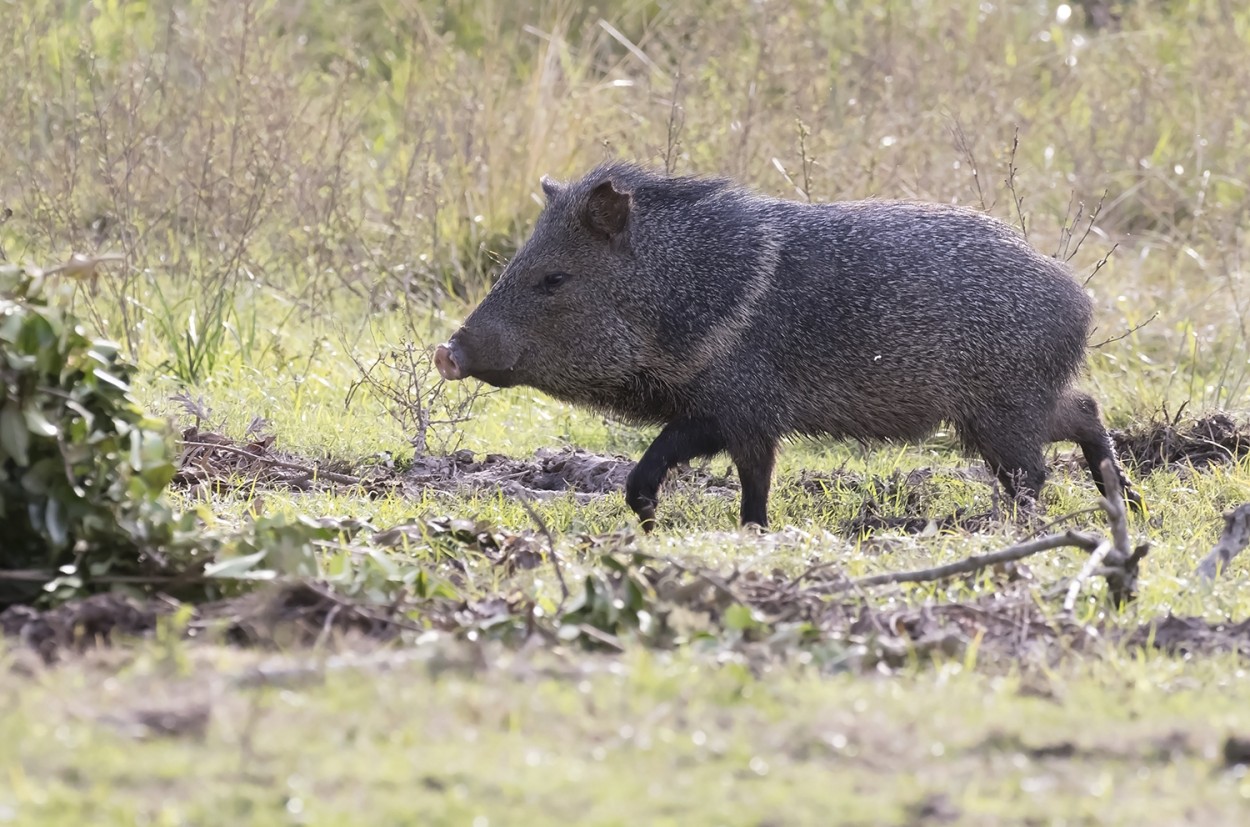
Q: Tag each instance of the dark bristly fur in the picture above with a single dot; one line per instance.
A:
(735, 320)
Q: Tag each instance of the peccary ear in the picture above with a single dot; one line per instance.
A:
(607, 210)
(551, 187)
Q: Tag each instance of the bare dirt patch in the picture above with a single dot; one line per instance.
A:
(211, 461)
(548, 473)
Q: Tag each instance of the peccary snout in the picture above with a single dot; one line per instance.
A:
(471, 354)
(447, 359)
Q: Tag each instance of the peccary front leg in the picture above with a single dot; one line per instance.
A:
(680, 441)
(755, 470)
(1008, 442)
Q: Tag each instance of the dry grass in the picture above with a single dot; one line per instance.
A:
(327, 162)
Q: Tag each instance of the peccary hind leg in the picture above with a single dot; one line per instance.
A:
(680, 441)
(1076, 419)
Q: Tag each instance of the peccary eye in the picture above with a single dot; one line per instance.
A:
(553, 280)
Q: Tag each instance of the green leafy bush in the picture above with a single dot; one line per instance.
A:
(84, 471)
(82, 468)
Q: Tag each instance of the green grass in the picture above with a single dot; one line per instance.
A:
(643, 738)
(297, 190)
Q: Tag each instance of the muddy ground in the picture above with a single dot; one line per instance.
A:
(1009, 621)
(211, 461)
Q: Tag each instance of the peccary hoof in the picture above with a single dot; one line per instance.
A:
(646, 516)
(1134, 501)
(640, 503)
(644, 507)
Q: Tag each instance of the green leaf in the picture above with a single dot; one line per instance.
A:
(38, 424)
(14, 437)
(240, 568)
(56, 524)
(38, 480)
(10, 324)
(109, 378)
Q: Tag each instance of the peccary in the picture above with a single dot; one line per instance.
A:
(735, 320)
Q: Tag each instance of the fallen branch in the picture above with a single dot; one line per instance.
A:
(1235, 537)
(1128, 332)
(1111, 559)
(1068, 539)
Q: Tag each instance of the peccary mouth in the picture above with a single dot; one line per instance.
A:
(453, 365)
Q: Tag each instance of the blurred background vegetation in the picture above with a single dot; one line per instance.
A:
(280, 174)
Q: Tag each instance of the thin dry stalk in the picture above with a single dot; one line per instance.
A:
(1128, 332)
(965, 148)
(1016, 197)
(676, 120)
(422, 407)
(552, 554)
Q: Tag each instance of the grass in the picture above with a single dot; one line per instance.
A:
(298, 189)
(643, 738)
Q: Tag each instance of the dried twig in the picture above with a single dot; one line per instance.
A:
(1102, 262)
(1128, 332)
(1233, 540)
(676, 120)
(1074, 539)
(1087, 571)
(420, 407)
(965, 147)
(1016, 197)
(1065, 230)
(1069, 251)
(807, 160)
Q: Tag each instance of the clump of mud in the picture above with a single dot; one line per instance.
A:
(1210, 440)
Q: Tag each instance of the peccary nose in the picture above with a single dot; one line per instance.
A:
(448, 360)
